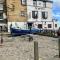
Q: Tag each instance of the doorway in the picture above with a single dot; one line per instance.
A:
(29, 25)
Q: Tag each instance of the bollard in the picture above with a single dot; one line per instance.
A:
(59, 46)
(30, 38)
(36, 57)
(58, 33)
(1, 40)
(1, 36)
(54, 33)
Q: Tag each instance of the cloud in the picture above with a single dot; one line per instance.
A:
(56, 14)
(56, 0)
(56, 10)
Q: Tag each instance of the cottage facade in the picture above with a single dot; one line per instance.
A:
(34, 13)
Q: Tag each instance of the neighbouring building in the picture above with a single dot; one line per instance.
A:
(3, 20)
(16, 13)
(34, 13)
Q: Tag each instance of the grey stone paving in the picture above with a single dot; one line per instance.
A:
(19, 48)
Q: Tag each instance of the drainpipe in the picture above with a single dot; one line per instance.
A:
(53, 24)
(5, 11)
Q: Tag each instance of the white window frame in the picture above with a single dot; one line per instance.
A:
(45, 14)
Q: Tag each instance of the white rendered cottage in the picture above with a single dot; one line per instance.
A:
(40, 14)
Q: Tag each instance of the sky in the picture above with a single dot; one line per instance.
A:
(56, 10)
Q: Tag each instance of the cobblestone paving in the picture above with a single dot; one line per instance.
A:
(19, 48)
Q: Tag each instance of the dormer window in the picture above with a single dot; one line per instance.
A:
(23, 2)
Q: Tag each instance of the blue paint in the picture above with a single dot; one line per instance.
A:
(23, 32)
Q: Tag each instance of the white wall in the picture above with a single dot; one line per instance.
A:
(40, 9)
(29, 2)
(46, 25)
(21, 25)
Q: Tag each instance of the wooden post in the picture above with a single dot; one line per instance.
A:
(36, 57)
(59, 46)
(30, 38)
(58, 33)
(1, 36)
(54, 33)
(51, 33)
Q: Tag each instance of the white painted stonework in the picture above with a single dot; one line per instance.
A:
(40, 8)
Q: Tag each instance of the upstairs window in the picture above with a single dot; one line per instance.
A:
(23, 2)
(44, 15)
(34, 14)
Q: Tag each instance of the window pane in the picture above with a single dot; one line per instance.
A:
(35, 14)
(44, 15)
(1, 16)
(44, 4)
(34, 3)
(34, 0)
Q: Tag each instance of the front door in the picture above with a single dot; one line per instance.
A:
(29, 25)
